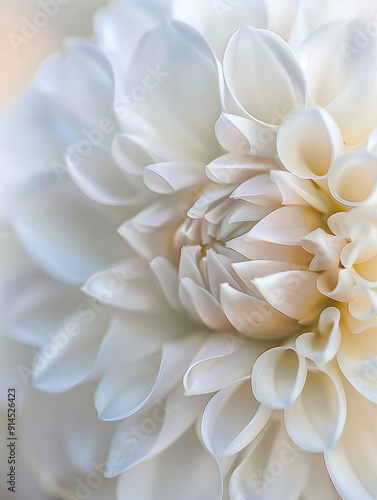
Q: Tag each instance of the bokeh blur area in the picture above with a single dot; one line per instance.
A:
(32, 29)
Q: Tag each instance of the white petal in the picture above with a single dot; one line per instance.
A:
(69, 354)
(234, 169)
(253, 317)
(273, 468)
(202, 304)
(222, 359)
(167, 276)
(217, 21)
(99, 177)
(124, 390)
(148, 433)
(243, 136)
(357, 358)
(86, 93)
(278, 377)
(293, 293)
(259, 190)
(34, 304)
(191, 464)
(127, 286)
(352, 463)
(340, 64)
(307, 143)
(151, 231)
(167, 178)
(60, 227)
(133, 337)
(174, 60)
(316, 420)
(297, 191)
(225, 432)
(278, 83)
(286, 225)
(130, 157)
(267, 250)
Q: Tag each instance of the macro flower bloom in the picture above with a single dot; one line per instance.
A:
(194, 216)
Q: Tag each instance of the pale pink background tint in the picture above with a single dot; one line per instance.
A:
(18, 67)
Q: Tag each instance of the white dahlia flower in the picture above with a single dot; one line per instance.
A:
(192, 223)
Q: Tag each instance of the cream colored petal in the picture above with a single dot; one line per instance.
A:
(278, 377)
(357, 359)
(259, 190)
(326, 249)
(316, 419)
(273, 467)
(250, 270)
(339, 60)
(293, 293)
(286, 225)
(296, 191)
(319, 484)
(253, 317)
(307, 143)
(202, 305)
(337, 284)
(363, 305)
(353, 179)
(225, 433)
(322, 346)
(268, 250)
(235, 169)
(352, 463)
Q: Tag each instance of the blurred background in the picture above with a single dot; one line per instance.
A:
(32, 29)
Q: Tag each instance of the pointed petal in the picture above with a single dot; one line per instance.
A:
(286, 225)
(225, 433)
(278, 83)
(222, 359)
(316, 420)
(174, 60)
(293, 293)
(124, 390)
